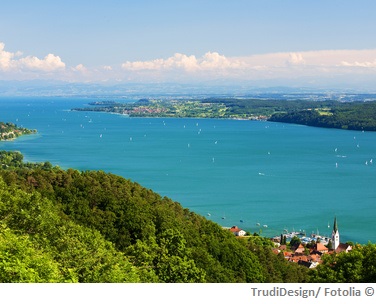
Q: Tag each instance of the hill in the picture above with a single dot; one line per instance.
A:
(348, 116)
(71, 226)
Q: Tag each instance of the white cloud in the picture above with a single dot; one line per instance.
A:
(47, 64)
(210, 61)
(295, 58)
(217, 61)
(366, 64)
(177, 61)
(9, 62)
(309, 59)
(5, 57)
(79, 68)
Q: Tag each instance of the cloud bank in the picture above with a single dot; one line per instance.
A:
(289, 67)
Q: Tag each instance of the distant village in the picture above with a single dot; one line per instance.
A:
(296, 247)
(10, 131)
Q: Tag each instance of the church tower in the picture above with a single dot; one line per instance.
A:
(335, 235)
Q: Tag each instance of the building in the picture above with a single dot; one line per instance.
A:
(299, 249)
(336, 244)
(343, 248)
(237, 231)
(320, 248)
(335, 235)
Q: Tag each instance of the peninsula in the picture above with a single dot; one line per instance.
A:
(355, 115)
(10, 131)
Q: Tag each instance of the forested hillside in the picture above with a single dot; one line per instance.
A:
(348, 116)
(71, 226)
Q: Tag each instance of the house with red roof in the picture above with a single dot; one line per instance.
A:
(320, 248)
(343, 247)
(237, 231)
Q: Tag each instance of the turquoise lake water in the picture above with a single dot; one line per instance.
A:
(280, 175)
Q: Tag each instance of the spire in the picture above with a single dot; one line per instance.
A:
(335, 227)
(335, 234)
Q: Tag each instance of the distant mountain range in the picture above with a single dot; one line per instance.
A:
(165, 90)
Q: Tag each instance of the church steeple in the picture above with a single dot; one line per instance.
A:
(335, 227)
(335, 234)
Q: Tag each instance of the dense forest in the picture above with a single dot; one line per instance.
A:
(348, 116)
(71, 226)
(247, 107)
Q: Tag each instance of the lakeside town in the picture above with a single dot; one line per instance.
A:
(304, 250)
(10, 131)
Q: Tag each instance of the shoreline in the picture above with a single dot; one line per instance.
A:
(10, 131)
(329, 114)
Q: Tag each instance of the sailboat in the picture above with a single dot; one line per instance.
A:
(328, 225)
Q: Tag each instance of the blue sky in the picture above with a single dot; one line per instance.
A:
(282, 42)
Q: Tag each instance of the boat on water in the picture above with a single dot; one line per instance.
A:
(265, 226)
(290, 235)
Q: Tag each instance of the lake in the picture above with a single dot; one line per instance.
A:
(234, 172)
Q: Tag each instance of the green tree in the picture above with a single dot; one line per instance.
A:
(347, 267)
(369, 263)
(21, 261)
(81, 253)
(172, 263)
(295, 242)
